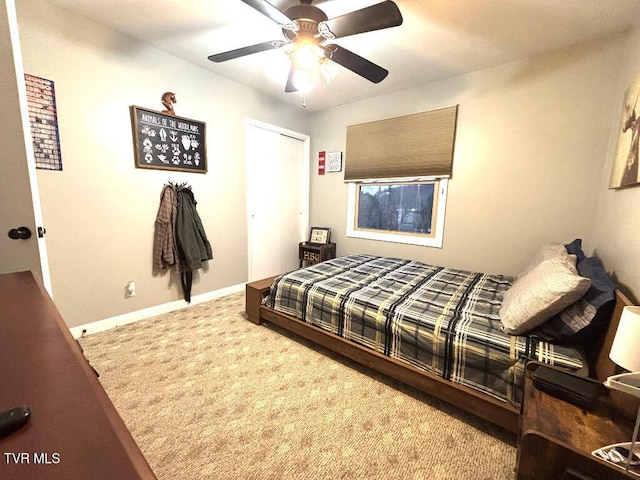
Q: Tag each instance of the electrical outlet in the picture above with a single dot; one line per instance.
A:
(130, 289)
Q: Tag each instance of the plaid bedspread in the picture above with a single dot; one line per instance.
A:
(440, 320)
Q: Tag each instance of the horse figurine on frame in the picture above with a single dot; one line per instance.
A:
(168, 99)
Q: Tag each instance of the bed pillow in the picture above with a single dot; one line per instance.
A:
(594, 308)
(550, 250)
(544, 291)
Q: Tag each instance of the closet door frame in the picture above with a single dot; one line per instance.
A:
(304, 187)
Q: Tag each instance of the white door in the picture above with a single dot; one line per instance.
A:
(277, 165)
(19, 197)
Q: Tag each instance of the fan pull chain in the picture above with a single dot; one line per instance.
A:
(304, 99)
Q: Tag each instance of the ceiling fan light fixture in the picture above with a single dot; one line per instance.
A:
(305, 59)
(329, 70)
(302, 80)
(306, 28)
(306, 55)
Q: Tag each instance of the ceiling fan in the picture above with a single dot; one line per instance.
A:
(308, 29)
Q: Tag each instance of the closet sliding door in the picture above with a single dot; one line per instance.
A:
(277, 170)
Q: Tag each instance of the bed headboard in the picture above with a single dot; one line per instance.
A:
(604, 366)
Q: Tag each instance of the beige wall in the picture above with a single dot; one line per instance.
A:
(100, 210)
(531, 142)
(530, 164)
(616, 235)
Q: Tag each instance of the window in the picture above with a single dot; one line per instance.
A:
(398, 211)
(398, 170)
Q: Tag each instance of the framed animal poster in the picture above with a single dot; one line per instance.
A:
(625, 163)
(168, 142)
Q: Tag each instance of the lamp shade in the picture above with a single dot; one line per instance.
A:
(625, 350)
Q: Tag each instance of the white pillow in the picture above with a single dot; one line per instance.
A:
(550, 250)
(545, 290)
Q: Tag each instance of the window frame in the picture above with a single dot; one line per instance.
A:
(433, 239)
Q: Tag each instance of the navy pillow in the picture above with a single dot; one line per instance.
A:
(587, 315)
(575, 248)
(602, 288)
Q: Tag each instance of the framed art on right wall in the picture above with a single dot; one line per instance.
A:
(625, 164)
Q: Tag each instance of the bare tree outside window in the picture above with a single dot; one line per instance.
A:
(397, 207)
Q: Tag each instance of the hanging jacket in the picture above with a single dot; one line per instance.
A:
(165, 250)
(192, 239)
(193, 245)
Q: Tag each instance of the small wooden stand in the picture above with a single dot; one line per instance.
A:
(312, 253)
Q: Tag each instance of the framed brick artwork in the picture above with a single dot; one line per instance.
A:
(43, 117)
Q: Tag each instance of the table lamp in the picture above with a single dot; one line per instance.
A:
(625, 352)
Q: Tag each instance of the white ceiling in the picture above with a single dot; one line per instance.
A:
(438, 38)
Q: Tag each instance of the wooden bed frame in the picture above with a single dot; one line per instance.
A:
(488, 408)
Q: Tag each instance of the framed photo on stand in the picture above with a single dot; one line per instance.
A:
(318, 248)
(320, 236)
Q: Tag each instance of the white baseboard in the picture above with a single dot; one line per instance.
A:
(131, 317)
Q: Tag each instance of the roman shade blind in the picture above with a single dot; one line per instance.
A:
(417, 145)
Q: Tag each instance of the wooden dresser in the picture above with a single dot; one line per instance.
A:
(74, 431)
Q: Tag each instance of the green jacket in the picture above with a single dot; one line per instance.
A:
(193, 245)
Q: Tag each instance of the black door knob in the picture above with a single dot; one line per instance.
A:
(20, 233)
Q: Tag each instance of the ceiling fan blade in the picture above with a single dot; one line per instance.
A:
(376, 17)
(241, 52)
(290, 87)
(269, 11)
(354, 62)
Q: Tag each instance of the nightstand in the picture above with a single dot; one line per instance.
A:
(557, 437)
(312, 253)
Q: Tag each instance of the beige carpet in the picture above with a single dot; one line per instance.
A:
(209, 395)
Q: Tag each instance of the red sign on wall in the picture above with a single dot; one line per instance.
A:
(322, 157)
